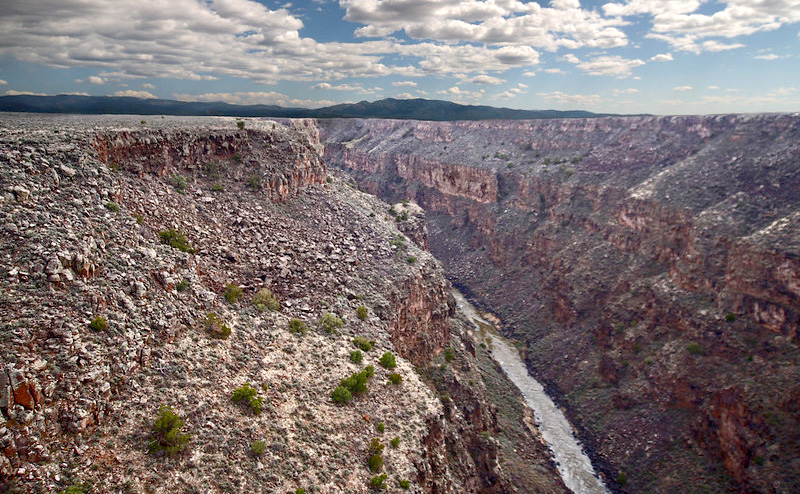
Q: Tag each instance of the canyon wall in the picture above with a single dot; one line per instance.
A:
(649, 265)
(92, 209)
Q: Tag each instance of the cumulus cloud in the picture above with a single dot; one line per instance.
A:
(662, 57)
(147, 85)
(253, 98)
(505, 22)
(93, 79)
(459, 94)
(135, 94)
(769, 56)
(340, 87)
(682, 88)
(404, 84)
(465, 59)
(486, 79)
(565, 98)
(614, 66)
(554, 71)
(511, 92)
(2, 82)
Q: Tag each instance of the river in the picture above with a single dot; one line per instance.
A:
(572, 462)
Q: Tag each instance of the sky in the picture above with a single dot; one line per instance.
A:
(618, 56)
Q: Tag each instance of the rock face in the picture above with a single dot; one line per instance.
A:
(128, 246)
(651, 266)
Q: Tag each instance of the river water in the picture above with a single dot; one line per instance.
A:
(572, 462)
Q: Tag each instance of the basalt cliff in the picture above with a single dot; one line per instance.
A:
(198, 305)
(650, 266)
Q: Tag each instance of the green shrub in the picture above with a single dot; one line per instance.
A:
(216, 327)
(265, 300)
(240, 124)
(730, 317)
(297, 326)
(361, 312)
(395, 378)
(341, 395)
(330, 322)
(232, 293)
(356, 356)
(363, 343)
(98, 324)
(183, 285)
(375, 463)
(378, 482)
(404, 484)
(369, 371)
(395, 442)
(179, 182)
(299, 490)
(398, 241)
(622, 479)
(254, 181)
(139, 219)
(82, 488)
(112, 206)
(388, 360)
(694, 348)
(248, 395)
(175, 239)
(167, 438)
(357, 383)
(381, 427)
(217, 188)
(449, 354)
(258, 447)
(411, 259)
(375, 446)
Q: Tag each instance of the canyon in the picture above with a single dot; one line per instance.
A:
(648, 266)
(180, 262)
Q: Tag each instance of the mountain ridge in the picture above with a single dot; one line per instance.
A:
(390, 108)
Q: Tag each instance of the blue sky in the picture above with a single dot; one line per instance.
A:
(621, 56)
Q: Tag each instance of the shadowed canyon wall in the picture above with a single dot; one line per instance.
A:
(649, 265)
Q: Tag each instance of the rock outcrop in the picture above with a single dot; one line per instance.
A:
(650, 265)
(132, 252)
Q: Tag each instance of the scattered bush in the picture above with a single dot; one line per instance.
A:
(299, 490)
(216, 326)
(398, 242)
(378, 482)
(622, 479)
(363, 343)
(361, 312)
(167, 438)
(254, 181)
(248, 395)
(395, 378)
(82, 488)
(395, 442)
(237, 157)
(694, 348)
(264, 299)
(375, 446)
(232, 293)
(356, 356)
(183, 285)
(297, 326)
(258, 447)
(375, 463)
(112, 206)
(139, 219)
(341, 395)
(240, 124)
(730, 317)
(411, 259)
(381, 427)
(175, 239)
(178, 182)
(330, 322)
(449, 354)
(98, 324)
(217, 188)
(404, 484)
(388, 360)
(369, 371)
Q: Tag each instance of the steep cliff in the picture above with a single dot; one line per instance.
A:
(136, 259)
(651, 266)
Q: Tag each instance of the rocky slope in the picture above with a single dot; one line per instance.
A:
(166, 230)
(650, 265)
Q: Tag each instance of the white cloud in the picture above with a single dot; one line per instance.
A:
(341, 87)
(682, 88)
(2, 82)
(529, 73)
(405, 96)
(554, 71)
(253, 98)
(565, 98)
(662, 57)
(486, 79)
(13, 92)
(460, 95)
(713, 88)
(135, 94)
(464, 59)
(505, 22)
(509, 94)
(626, 91)
(770, 56)
(93, 79)
(147, 85)
(783, 91)
(404, 84)
(615, 66)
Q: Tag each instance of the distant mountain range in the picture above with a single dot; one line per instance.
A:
(412, 109)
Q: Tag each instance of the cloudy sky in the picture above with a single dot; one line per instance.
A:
(622, 56)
